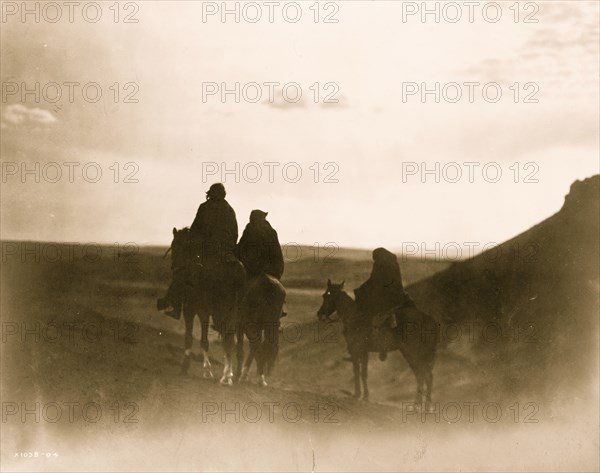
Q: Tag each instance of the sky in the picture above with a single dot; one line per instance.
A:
(164, 141)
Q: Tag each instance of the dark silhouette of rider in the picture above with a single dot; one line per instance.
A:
(259, 249)
(383, 290)
(213, 236)
(214, 232)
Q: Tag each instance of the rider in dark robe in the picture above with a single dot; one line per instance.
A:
(213, 236)
(383, 290)
(259, 249)
(214, 231)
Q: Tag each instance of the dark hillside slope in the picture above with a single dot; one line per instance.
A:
(532, 303)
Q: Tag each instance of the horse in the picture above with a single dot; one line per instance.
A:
(260, 311)
(208, 288)
(258, 304)
(416, 336)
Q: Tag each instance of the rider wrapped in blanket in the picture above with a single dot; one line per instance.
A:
(213, 234)
(259, 249)
(383, 290)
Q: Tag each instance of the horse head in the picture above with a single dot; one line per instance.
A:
(180, 247)
(331, 297)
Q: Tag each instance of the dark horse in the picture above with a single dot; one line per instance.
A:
(260, 311)
(238, 306)
(415, 335)
(208, 289)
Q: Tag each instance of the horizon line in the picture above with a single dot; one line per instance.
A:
(396, 250)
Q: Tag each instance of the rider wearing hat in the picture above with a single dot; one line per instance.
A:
(215, 229)
(213, 235)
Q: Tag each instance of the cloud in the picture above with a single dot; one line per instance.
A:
(281, 104)
(561, 51)
(18, 114)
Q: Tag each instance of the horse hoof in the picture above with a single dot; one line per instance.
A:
(262, 382)
(226, 382)
(365, 398)
(244, 375)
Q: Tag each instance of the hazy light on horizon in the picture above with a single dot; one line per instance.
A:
(370, 135)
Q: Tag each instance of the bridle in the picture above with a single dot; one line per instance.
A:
(328, 318)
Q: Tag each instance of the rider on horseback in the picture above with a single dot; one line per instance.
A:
(259, 248)
(213, 236)
(383, 291)
(214, 231)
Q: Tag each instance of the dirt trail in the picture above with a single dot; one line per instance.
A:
(152, 418)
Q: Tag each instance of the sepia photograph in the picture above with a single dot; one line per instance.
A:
(300, 236)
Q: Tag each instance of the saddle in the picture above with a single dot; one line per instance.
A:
(388, 318)
(229, 273)
(385, 327)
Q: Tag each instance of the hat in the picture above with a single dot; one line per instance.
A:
(216, 190)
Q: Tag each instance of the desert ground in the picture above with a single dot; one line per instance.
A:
(515, 379)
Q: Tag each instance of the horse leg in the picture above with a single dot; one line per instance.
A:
(364, 366)
(268, 352)
(429, 385)
(253, 336)
(188, 316)
(261, 355)
(274, 355)
(272, 338)
(248, 363)
(206, 366)
(239, 351)
(356, 367)
(246, 368)
(409, 353)
(420, 383)
(228, 345)
(228, 342)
